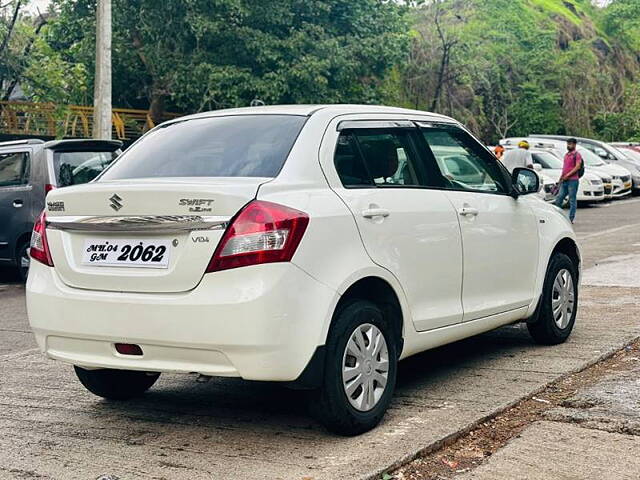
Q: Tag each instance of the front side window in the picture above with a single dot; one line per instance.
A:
(375, 158)
(14, 169)
(73, 168)
(464, 163)
(231, 146)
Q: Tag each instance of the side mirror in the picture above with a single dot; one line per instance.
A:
(537, 167)
(524, 181)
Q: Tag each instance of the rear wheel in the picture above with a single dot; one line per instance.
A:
(116, 384)
(23, 260)
(360, 370)
(559, 303)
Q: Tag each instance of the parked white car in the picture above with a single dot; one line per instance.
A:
(591, 186)
(620, 177)
(314, 245)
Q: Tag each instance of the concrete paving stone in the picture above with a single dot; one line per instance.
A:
(561, 451)
(12, 341)
(612, 404)
(617, 270)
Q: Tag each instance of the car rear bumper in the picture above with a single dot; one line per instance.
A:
(260, 323)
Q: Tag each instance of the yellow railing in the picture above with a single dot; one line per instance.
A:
(70, 121)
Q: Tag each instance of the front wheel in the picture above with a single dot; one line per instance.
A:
(116, 384)
(360, 370)
(559, 303)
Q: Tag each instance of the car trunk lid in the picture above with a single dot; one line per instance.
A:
(98, 233)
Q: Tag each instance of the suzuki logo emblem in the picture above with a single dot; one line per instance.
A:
(115, 202)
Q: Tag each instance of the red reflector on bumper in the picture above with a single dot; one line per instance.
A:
(128, 349)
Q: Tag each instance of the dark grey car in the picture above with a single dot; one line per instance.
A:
(28, 170)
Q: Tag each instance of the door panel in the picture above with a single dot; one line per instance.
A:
(419, 242)
(500, 241)
(499, 233)
(409, 230)
(15, 199)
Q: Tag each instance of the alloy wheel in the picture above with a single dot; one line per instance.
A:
(365, 367)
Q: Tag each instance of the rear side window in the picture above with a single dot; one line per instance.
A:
(73, 168)
(14, 169)
(233, 146)
(368, 158)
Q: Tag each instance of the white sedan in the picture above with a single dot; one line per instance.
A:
(591, 187)
(616, 179)
(311, 245)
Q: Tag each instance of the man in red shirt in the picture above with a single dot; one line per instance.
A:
(570, 178)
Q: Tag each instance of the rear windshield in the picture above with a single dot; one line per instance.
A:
(234, 146)
(73, 168)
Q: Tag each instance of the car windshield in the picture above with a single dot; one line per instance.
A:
(632, 155)
(590, 158)
(73, 168)
(230, 146)
(547, 160)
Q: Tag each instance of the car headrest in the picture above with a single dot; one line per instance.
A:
(382, 157)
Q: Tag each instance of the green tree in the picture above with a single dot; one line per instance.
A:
(193, 55)
(621, 20)
(514, 67)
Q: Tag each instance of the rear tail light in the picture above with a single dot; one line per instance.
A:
(262, 232)
(39, 246)
(48, 187)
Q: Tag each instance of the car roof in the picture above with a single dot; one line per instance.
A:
(72, 144)
(83, 144)
(24, 141)
(308, 110)
(541, 150)
(566, 137)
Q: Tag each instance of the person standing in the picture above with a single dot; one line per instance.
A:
(521, 157)
(570, 178)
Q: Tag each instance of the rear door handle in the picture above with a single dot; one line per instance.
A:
(18, 203)
(375, 212)
(468, 211)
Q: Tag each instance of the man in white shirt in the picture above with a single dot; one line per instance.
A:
(520, 157)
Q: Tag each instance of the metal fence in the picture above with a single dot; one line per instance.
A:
(70, 121)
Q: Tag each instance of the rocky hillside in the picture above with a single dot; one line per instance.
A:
(510, 67)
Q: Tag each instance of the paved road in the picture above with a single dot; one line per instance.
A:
(51, 428)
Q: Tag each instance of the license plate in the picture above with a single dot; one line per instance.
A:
(127, 252)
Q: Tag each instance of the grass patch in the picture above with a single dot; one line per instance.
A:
(559, 7)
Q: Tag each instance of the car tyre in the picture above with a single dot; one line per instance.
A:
(22, 261)
(559, 304)
(331, 404)
(116, 384)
